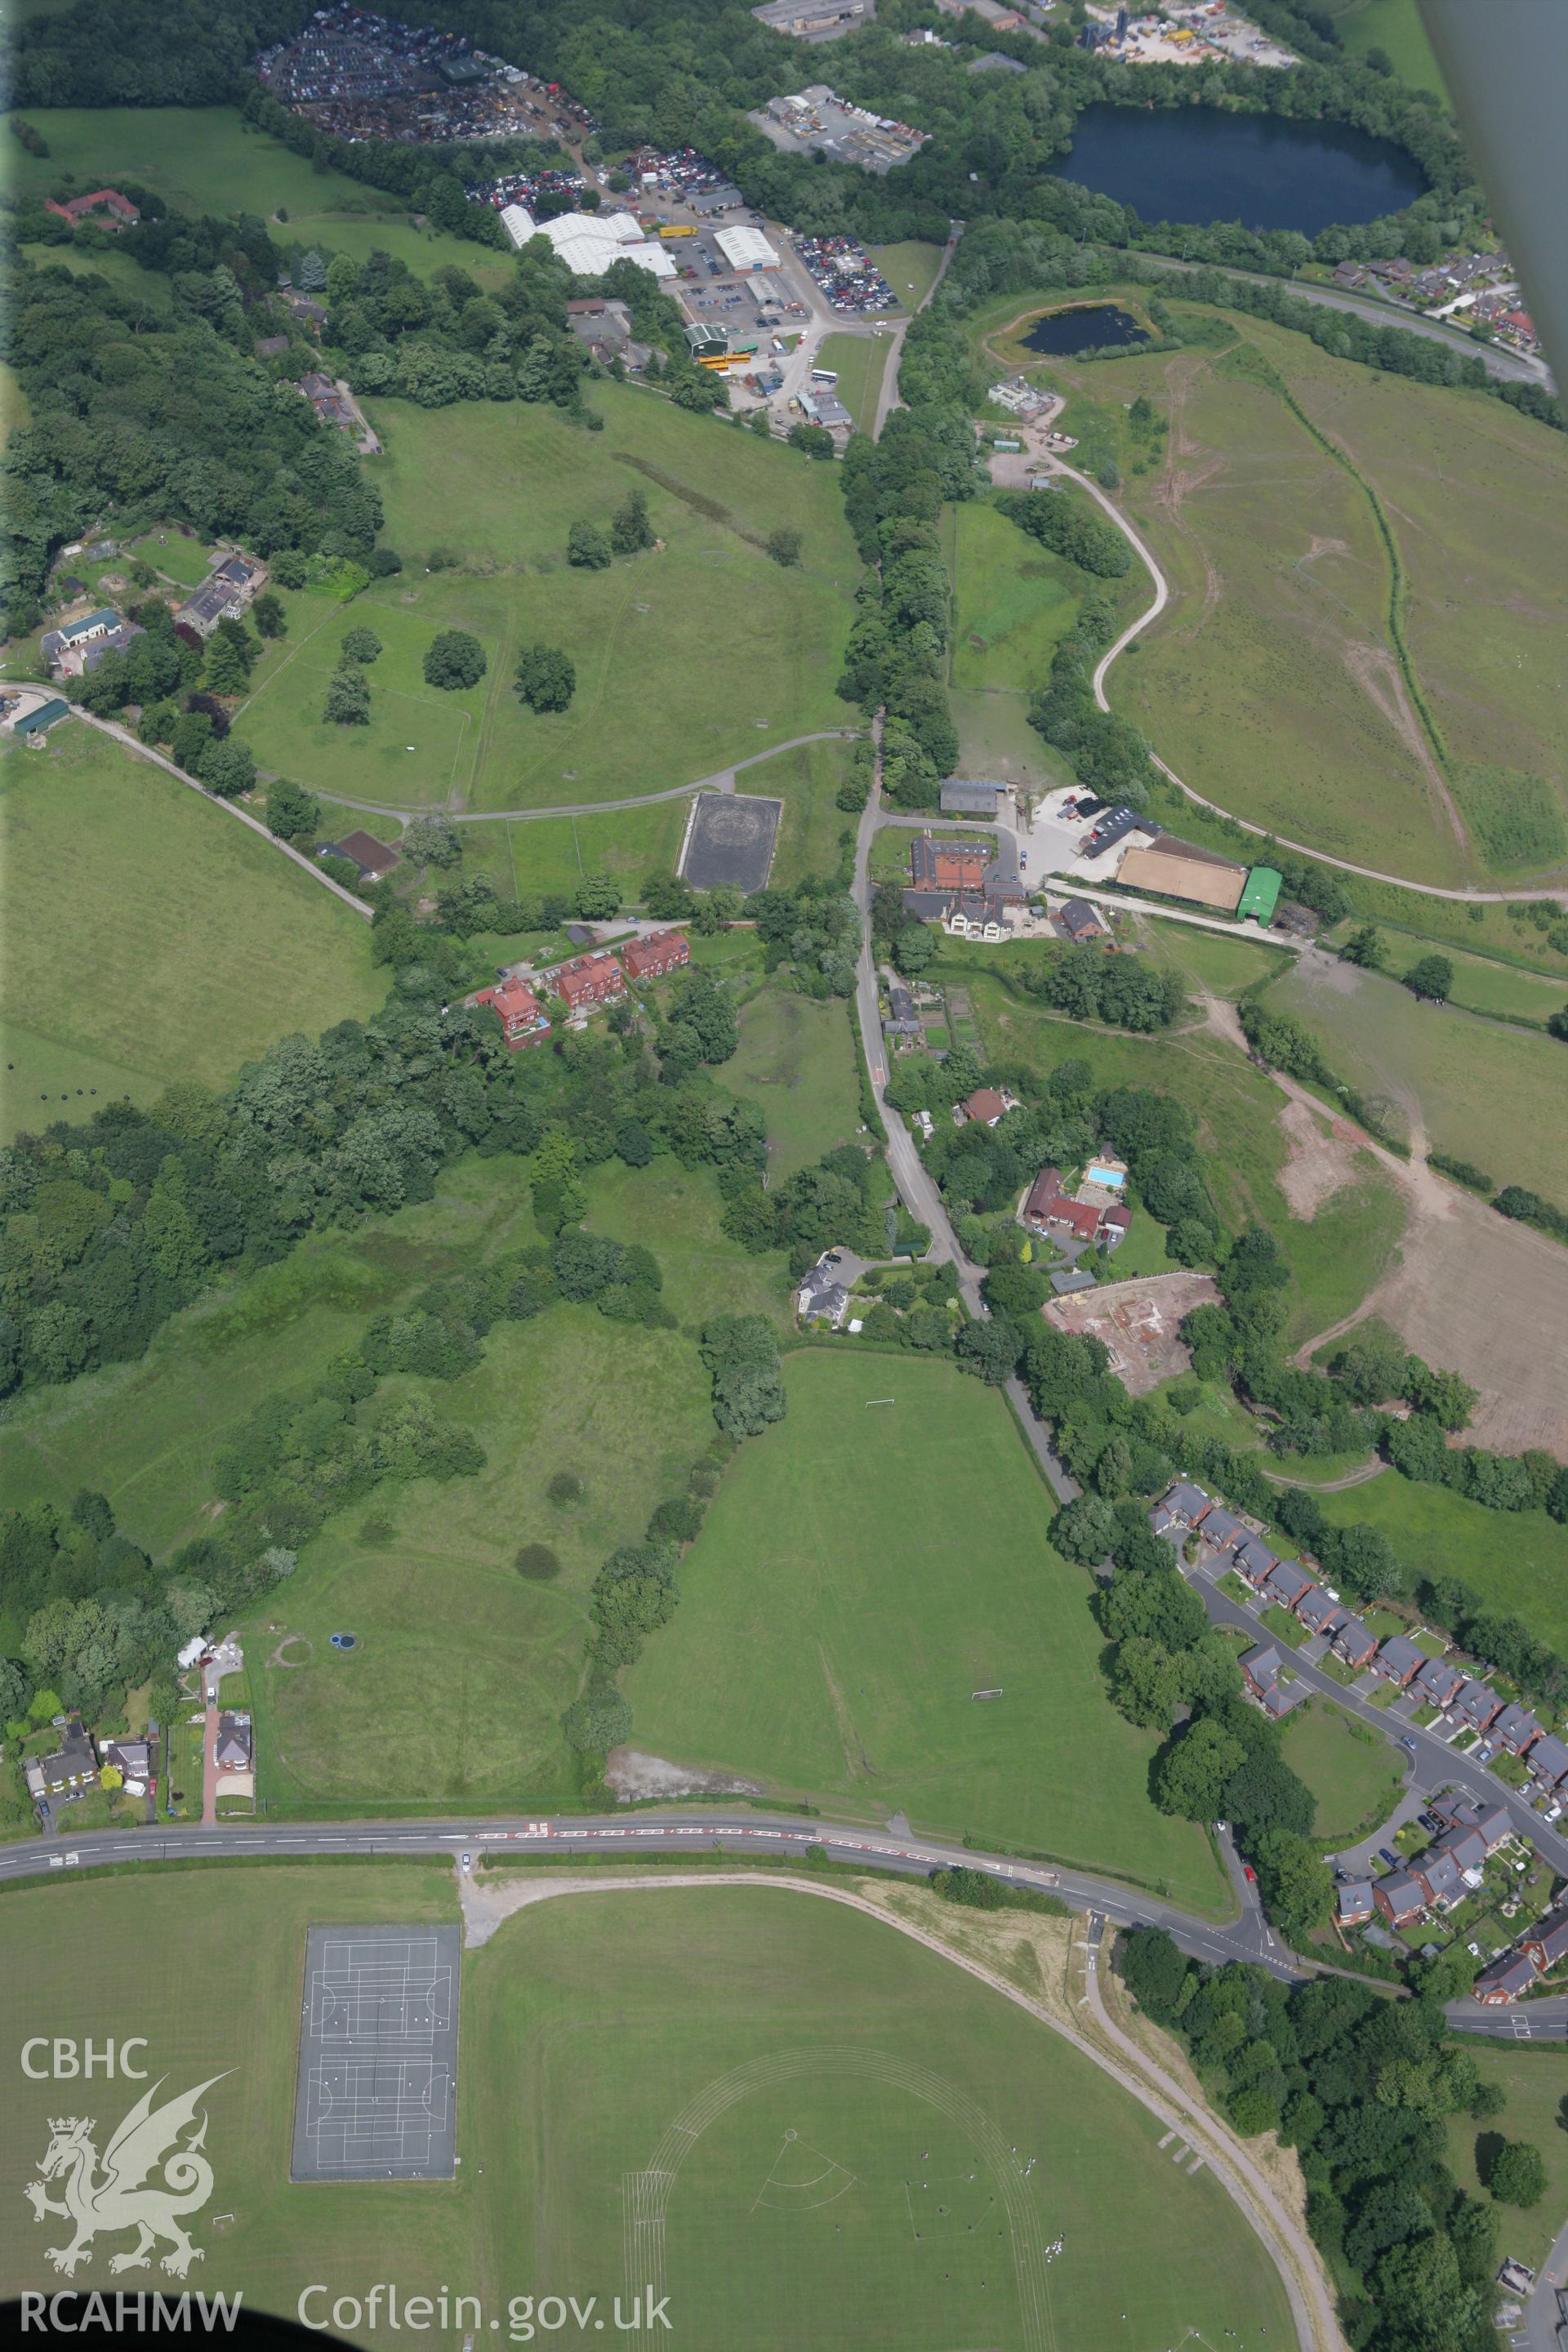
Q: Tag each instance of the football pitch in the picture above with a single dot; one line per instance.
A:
(792, 2123)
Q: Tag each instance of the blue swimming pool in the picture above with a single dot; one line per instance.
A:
(1111, 1176)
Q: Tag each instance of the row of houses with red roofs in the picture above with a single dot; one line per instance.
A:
(583, 982)
(1437, 1880)
(1466, 1701)
(1542, 1948)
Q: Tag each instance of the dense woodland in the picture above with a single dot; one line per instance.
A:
(1360, 2087)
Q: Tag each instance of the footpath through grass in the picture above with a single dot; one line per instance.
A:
(868, 1566)
(151, 937)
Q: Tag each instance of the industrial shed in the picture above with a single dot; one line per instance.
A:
(962, 798)
(745, 248)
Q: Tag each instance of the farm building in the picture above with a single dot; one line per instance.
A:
(1080, 922)
(962, 798)
(33, 725)
(1260, 897)
(1179, 869)
(56, 645)
(373, 858)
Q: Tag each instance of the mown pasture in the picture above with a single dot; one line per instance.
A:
(150, 936)
(690, 656)
(869, 1566)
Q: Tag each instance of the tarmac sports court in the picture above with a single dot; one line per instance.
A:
(378, 2055)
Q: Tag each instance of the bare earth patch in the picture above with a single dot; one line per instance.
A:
(631, 1772)
(1138, 1322)
(1321, 1162)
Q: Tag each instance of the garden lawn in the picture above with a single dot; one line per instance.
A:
(859, 362)
(1484, 1090)
(796, 1062)
(207, 159)
(865, 1568)
(849, 2102)
(687, 1986)
(1347, 1767)
(1516, 1560)
(150, 936)
(688, 659)
(1531, 2078)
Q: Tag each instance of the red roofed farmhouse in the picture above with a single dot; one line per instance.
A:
(522, 1017)
(587, 980)
(122, 213)
(651, 958)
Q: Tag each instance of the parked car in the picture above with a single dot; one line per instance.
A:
(1392, 1859)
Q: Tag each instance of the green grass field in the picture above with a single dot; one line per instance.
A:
(132, 904)
(454, 1691)
(859, 362)
(1336, 1257)
(127, 277)
(861, 2119)
(1347, 1767)
(1013, 601)
(1484, 1090)
(1272, 683)
(206, 159)
(501, 486)
(910, 270)
(1531, 2079)
(864, 1569)
(1515, 1560)
(462, 1666)
(1396, 27)
(797, 1063)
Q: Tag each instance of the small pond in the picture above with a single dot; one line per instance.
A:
(1195, 164)
(1086, 327)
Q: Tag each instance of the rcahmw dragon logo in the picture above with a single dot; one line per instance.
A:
(121, 2195)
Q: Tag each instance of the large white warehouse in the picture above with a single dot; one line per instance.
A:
(589, 243)
(745, 248)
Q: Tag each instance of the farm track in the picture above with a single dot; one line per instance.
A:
(1136, 627)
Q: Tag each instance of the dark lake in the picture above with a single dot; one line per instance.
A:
(1195, 164)
(1082, 330)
